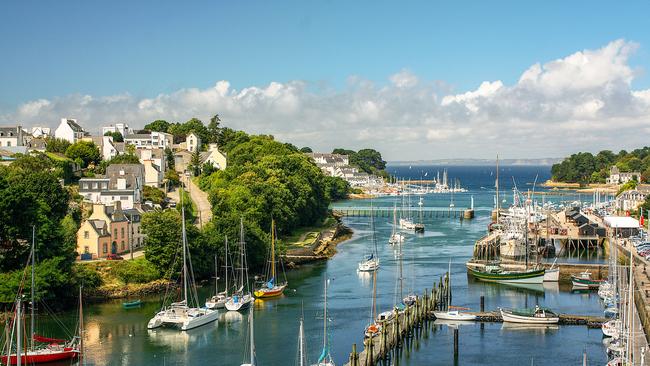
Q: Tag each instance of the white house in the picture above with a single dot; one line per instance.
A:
(123, 183)
(618, 177)
(12, 136)
(151, 140)
(154, 161)
(193, 142)
(333, 159)
(106, 146)
(214, 156)
(122, 128)
(41, 131)
(70, 130)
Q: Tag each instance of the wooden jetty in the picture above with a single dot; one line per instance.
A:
(413, 320)
(427, 212)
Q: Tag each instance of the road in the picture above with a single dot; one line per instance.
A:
(201, 201)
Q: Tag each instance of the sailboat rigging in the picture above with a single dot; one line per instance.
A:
(241, 298)
(270, 288)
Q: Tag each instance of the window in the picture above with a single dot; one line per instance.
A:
(86, 249)
(86, 234)
(122, 231)
(94, 185)
(123, 248)
(124, 198)
(105, 248)
(8, 143)
(115, 232)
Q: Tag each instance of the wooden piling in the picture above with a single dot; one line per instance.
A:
(455, 343)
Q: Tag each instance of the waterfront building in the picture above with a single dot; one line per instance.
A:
(192, 142)
(623, 226)
(337, 165)
(618, 177)
(123, 182)
(70, 130)
(631, 199)
(122, 128)
(13, 136)
(109, 230)
(155, 164)
(150, 140)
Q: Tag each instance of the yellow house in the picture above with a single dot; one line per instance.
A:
(93, 239)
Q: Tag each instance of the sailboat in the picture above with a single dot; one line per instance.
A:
(218, 301)
(242, 297)
(252, 358)
(270, 288)
(406, 221)
(373, 329)
(396, 237)
(370, 262)
(40, 349)
(419, 227)
(302, 353)
(181, 314)
(325, 358)
(452, 312)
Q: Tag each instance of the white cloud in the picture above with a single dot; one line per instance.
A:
(580, 102)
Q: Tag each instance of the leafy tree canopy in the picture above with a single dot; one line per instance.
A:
(586, 168)
(84, 151)
(158, 125)
(117, 136)
(57, 145)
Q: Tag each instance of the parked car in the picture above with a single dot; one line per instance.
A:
(114, 257)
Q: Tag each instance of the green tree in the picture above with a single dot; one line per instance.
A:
(169, 156)
(158, 125)
(153, 194)
(173, 180)
(163, 230)
(214, 129)
(306, 149)
(117, 136)
(195, 163)
(84, 151)
(57, 145)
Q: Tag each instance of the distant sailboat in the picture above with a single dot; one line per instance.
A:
(271, 288)
(325, 358)
(452, 312)
(218, 301)
(370, 262)
(241, 298)
(396, 237)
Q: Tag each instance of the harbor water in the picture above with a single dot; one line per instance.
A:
(115, 336)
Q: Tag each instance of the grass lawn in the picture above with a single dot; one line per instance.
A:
(55, 156)
(305, 236)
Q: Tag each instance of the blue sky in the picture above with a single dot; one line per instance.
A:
(149, 47)
(55, 50)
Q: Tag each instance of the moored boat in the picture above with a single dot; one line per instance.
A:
(271, 288)
(132, 304)
(537, 315)
(454, 315)
(241, 298)
(496, 274)
(584, 280)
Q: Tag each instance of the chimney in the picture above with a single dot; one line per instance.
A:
(117, 206)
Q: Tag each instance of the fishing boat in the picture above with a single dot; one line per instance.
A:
(132, 304)
(584, 280)
(370, 262)
(494, 273)
(395, 237)
(552, 275)
(218, 301)
(537, 315)
(40, 349)
(325, 358)
(271, 288)
(181, 314)
(252, 358)
(241, 298)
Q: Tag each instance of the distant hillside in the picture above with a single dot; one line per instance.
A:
(481, 162)
(584, 167)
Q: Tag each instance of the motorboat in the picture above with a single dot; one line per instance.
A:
(536, 315)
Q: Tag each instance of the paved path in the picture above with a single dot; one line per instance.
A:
(201, 201)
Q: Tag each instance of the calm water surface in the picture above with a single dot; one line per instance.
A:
(118, 337)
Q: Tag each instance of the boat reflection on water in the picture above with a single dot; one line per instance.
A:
(551, 287)
(231, 317)
(493, 289)
(452, 323)
(533, 328)
(365, 277)
(183, 341)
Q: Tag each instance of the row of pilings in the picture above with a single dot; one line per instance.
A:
(403, 328)
(459, 213)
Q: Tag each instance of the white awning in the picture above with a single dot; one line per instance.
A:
(621, 222)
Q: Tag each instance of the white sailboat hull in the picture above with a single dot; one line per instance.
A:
(183, 319)
(368, 266)
(242, 303)
(453, 315)
(514, 318)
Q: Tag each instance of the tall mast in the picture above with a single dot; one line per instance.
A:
(273, 249)
(301, 344)
(374, 296)
(216, 277)
(252, 328)
(325, 317)
(226, 244)
(81, 328)
(184, 253)
(19, 336)
(449, 285)
(241, 252)
(497, 187)
(401, 277)
(31, 318)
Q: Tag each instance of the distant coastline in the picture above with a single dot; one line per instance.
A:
(479, 162)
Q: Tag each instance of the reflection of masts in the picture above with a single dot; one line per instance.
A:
(497, 187)
(31, 320)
